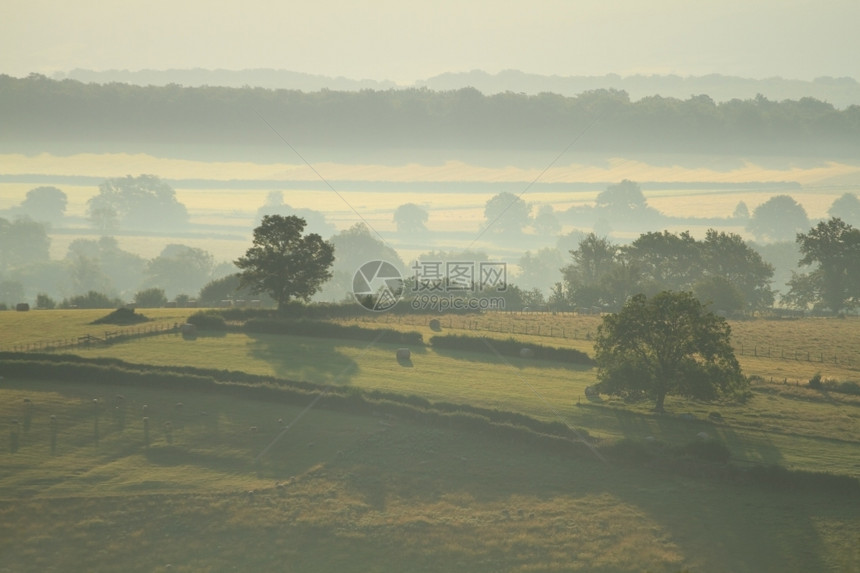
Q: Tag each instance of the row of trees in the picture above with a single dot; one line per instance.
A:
(48, 112)
(721, 269)
(147, 202)
(98, 265)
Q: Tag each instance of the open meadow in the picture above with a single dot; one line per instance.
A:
(183, 480)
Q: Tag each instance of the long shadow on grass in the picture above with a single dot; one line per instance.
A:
(305, 359)
(316, 360)
(669, 427)
(716, 524)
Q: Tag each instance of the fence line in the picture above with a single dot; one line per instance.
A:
(88, 340)
(454, 322)
(450, 322)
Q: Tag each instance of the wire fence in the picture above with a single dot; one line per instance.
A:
(105, 338)
(512, 323)
(532, 324)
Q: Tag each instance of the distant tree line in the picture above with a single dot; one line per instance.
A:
(49, 114)
(722, 270)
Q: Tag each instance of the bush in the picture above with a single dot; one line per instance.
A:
(849, 388)
(121, 316)
(43, 301)
(150, 298)
(92, 299)
(208, 321)
(815, 381)
(510, 347)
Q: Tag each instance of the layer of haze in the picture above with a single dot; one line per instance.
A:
(408, 41)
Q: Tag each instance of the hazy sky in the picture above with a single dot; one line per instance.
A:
(403, 40)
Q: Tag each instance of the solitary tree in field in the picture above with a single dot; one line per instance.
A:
(284, 263)
(668, 344)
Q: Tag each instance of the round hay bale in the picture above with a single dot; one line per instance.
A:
(527, 353)
(704, 436)
(435, 325)
(404, 354)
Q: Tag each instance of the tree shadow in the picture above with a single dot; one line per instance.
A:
(305, 359)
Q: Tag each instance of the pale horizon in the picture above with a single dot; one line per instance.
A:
(406, 42)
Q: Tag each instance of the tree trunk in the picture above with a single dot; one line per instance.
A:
(658, 406)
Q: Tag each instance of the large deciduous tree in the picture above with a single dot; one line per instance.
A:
(411, 218)
(834, 246)
(727, 259)
(144, 202)
(668, 344)
(847, 208)
(588, 277)
(45, 204)
(779, 218)
(284, 263)
(180, 269)
(22, 242)
(506, 214)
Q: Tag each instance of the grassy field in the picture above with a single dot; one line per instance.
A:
(342, 492)
(784, 422)
(355, 493)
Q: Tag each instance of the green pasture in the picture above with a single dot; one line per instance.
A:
(340, 492)
(51, 327)
(97, 486)
(780, 423)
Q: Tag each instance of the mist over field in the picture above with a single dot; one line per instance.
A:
(541, 286)
(343, 158)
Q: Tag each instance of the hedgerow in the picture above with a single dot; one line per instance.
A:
(510, 347)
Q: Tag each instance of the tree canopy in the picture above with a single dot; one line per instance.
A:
(722, 268)
(506, 214)
(24, 242)
(45, 203)
(411, 218)
(54, 114)
(834, 247)
(285, 263)
(180, 269)
(668, 344)
(779, 218)
(847, 208)
(136, 202)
